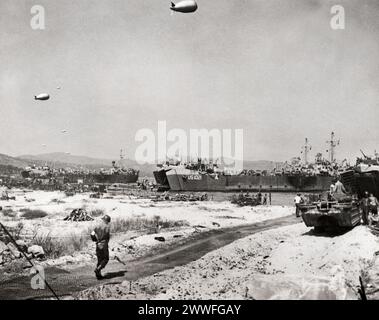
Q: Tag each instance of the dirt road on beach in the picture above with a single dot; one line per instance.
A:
(65, 283)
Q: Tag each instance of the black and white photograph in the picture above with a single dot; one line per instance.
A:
(195, 150)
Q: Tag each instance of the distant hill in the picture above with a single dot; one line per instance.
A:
(64, 158)
(12, 161)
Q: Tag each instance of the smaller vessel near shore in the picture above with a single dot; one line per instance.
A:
(116, 174)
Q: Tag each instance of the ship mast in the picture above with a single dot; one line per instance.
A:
(332, 145)
(122, 156)
(305, 149)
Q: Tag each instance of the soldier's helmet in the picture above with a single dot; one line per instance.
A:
(106, 218)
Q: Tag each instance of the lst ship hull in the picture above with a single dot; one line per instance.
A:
(233, 183)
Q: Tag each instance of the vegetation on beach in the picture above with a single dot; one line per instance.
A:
(55, 247)
(97, 213)
(33, 214)
(10, 213)
(151, 225)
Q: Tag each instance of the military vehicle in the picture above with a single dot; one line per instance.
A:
(327, 212)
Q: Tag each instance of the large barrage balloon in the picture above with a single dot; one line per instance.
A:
(185, 6)
(42, 96)
(64, 131)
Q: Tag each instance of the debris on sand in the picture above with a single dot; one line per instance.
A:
(9, 252)
(95, 195)
(3, 247)
(181, 197)
(36, 251)
(13, 250)
(246, 200)
(79, 215)
(22, 245)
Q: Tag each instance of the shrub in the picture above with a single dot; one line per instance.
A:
(97, 213)
(78, 242)
(33, 214)
(51, 247)
(9, 213)
(57, 201)
(56, 247)
(140, 224)
(14, 231)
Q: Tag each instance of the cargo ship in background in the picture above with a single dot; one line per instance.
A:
(116, 174)
(297, 176)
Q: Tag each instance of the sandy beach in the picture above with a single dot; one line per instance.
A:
(183, 219)
(286, 262)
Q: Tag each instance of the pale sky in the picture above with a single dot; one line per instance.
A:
(275, 69)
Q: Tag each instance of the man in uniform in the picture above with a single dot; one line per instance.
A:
(298, 200)
(259, 195)
(339, 193)
(339, 188)
(365, 205)
(331, 188)
(265, 199)
(101, 236)
(373, 208)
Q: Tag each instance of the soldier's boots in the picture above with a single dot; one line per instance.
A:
(98, 274)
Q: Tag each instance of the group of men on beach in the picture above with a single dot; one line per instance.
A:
(369, 205)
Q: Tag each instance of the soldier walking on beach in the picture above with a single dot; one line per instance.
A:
(101, 236)
(373, 209)
(365, 205)
(265, 199)
(298, 200)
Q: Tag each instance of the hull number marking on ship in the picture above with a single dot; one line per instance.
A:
(194, 177)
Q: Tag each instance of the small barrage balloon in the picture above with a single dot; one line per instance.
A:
(185, 6)
(42, 96)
